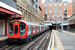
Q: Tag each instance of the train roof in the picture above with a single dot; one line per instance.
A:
(29, 23)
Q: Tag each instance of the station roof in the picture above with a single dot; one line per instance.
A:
(49, 23)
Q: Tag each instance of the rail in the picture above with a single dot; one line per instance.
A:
(51, 43)
(34, 44)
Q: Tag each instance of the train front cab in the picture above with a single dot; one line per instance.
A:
(17, 31)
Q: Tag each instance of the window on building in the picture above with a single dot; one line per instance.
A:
(46, 12)
(65, 8)
(60, 14)
(55, 15)
(60, 4)
(60, 18)
(60, 11)
(50, 19)
(36, 0)
(55, 4)
(46, 1)
(65, 4)
(65, 11)
(60, 1)
(65, 19)
(45, 5)
(50, 8)
(60, 7)
(50, 4)
(45, 8)
(50, 11)
(65, 1)
(55, 18)
(50, 15)
(55, 1)
(65, 14)
(55, 11)
(45, 17)
(55, 7)
(50, 1)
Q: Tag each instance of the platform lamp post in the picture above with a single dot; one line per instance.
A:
(56, 24)
(67, 27)
(62, 26)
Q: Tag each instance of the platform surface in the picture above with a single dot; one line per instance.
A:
(62, 40)
(3, 38)
(67, 40)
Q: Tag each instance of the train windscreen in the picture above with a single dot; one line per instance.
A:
(22, 28)
(11, 28)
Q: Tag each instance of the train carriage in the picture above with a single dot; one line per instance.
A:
(20, 30)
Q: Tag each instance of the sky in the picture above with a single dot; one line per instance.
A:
(63, 0)
(43, 1)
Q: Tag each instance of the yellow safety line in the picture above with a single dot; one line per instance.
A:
(3, 38)
(52, 40)
(53, 43)
(58, 42)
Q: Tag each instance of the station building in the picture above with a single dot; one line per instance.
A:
(29, 10)
(72, 18)
(8, 11)
(57, 25)
(56, 10)
(72, 22)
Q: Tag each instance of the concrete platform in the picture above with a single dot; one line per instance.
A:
(67, 40)
(3, 38)
(70, 32)
(62, 40)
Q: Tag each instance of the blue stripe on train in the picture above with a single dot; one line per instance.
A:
(28, 35)
(37, 32)
(34, 34)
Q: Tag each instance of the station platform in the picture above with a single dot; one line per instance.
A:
(62, 40)
(3, 38)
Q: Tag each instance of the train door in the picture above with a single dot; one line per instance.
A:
(16, 30)
(39, 29)
(36, 29)
(31, 30)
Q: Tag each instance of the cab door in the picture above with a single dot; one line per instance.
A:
(16, 30)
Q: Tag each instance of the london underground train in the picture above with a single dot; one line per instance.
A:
(20, 30)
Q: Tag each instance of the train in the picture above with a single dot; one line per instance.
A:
(22, 31)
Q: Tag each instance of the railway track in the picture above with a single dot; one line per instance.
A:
(35, 44)
(3, 43)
